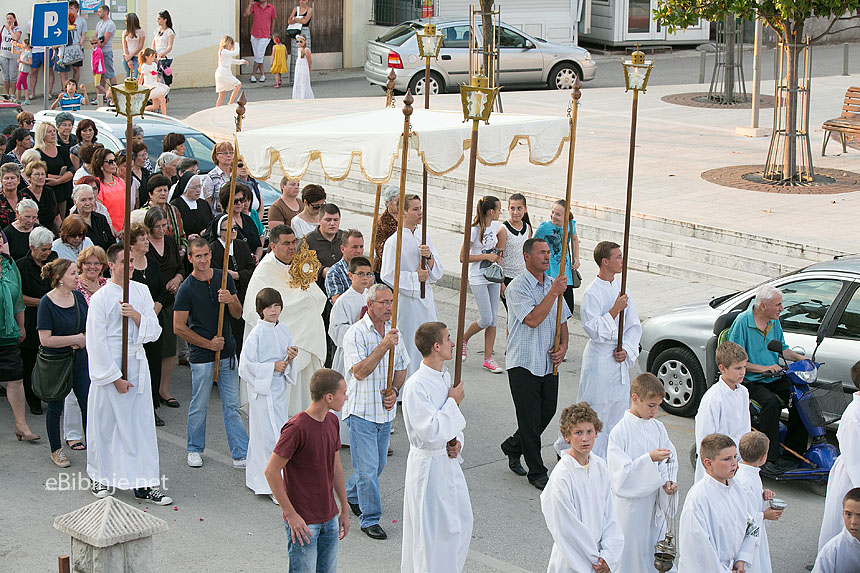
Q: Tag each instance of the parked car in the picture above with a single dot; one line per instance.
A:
(679, 345)
(9, 111)
(523, 59)
(155, 126)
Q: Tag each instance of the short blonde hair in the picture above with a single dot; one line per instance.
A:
(92, 251)
(729, 353)
(753, 445)
(577, 414)
(713, 444)
(33, 165)
(647, 385)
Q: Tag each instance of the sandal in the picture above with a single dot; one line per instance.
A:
(169, 402)
(77, 445)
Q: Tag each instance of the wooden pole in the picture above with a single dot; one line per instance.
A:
(126, 243)
(404, 150)
(63, 561)
(562, 272)
(464, 267)
(389, 88)
(423, 287)
(627, 213)
(375, 224)
(240, 112)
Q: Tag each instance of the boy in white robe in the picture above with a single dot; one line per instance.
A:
(643, 469)
(577, 502)
(604, 381)
(725, 407)
(346, 311)
(267, 364)
(437, 512)
(413, 311)
(753, 450)
(718, 533)
(842, 553)
(845, 473)
(122, 447)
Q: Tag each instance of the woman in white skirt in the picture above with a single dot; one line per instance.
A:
(302, 81)
(224, 78)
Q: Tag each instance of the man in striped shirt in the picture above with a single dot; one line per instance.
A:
(369, 411)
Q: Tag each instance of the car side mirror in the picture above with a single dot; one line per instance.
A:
(529, 45)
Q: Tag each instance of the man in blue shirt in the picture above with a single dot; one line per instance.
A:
(532, 299)
(753, 329)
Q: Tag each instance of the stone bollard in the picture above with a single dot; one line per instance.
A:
(109, 536)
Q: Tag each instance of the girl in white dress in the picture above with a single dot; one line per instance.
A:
(148, 78)
(224, 78)
(302, 81)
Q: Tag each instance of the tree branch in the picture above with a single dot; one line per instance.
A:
(827, 31)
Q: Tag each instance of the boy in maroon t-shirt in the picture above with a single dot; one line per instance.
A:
(302, 472)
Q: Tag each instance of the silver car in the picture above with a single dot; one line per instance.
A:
(523, 59)
(678, 346)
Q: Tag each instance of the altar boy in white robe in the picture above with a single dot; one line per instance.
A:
(122, 448)
(437, 512)
(604, 381)
(267, 364)
(643, 469)
(577, 501)
(413, 311)
(842, 553)
(346, 311)
(717, 531)
(753, 447)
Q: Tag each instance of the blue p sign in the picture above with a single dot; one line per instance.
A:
(50, 23)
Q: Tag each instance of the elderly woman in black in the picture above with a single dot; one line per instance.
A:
(240, 267)
(99, 229)
(164, 250)
(196, 214)
(247, 230)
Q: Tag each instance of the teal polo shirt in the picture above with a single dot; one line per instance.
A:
(745, 333)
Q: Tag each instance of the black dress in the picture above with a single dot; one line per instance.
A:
(99, 231)
(32, 284)
(242, 262)
(47, 203)
(151, 277)
(19, 242)
(63, 191)
(194, 221)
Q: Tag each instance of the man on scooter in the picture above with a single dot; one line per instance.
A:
(752, 330)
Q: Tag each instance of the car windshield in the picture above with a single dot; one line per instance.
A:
(399, 34)
(197, 146)
(9, 115)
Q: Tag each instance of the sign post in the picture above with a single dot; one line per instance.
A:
(50, 25)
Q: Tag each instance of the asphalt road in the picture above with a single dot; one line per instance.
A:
(217, 524)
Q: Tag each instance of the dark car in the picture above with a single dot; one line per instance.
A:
(9, 111)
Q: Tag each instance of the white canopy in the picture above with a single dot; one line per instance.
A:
(374, 137)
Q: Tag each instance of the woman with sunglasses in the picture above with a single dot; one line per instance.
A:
(111, 187)
(241, 267)
(255, 202)
(313, 198)
(73, 238)
(247, 230)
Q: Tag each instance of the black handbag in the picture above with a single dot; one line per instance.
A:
(53, 375)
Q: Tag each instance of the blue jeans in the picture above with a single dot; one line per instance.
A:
(228, 388)
(130, 71)
(368, 446)
(317, 555)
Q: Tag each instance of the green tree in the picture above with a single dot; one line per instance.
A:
(787, 19)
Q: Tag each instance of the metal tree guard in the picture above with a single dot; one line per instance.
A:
(727, 80)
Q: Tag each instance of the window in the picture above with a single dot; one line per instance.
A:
(397, 35)
(806, 302)
(391, 12)
(456, 36)
(510, 39)
(849, 323)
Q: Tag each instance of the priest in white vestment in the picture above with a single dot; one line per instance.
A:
(302, 313)
(437, 512)
(122, 448)
(604, 380)
(412, 310)
(268, 393)
(637, 483)
(845, 473)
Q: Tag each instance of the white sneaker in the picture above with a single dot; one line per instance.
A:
(253, 79)
(195, 460)
(99, 490)
(240, 464)
(262, 78)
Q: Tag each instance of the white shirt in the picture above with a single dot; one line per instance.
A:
(482, 245)
(749, 480)
(722, 411)
(161, 39)
(840, 555)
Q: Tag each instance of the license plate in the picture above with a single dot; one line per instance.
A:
(376, 58)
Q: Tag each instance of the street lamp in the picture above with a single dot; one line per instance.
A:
(477, 101)
(636, 73)
(130, 100)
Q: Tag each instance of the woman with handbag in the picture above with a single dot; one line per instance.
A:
(162, 43)
(61, 322)
(298, 23)
(11, 335)
(550, 231)
(486, 275)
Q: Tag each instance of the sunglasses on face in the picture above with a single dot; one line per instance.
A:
(111, 161)
(316, 206)
(235, 229)
(238, 200)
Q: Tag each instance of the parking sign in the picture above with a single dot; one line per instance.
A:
(50, 24)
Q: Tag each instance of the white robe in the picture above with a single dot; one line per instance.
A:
(412, 310)
(845, 473)
(749, 479)
(722, 411)
(580, 514)
(713, 530)
(302, 313)
(268, 396)
(839, 555)
(603, 382)
(437, 512)
(344, 313)
(122, 447)
(637, 484)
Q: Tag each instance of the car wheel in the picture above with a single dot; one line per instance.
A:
(694, 457)
(682, 377)
(563, 75)
(437, 84)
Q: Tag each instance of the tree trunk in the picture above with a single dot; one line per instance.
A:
(487, 25)
(793, 38)
(729, 31)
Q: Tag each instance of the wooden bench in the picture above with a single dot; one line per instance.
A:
(846, 124)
